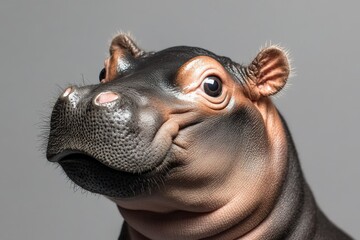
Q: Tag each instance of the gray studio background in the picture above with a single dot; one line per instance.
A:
(46, 45)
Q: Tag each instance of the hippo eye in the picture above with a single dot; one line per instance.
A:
(212, 86)
(102, 74)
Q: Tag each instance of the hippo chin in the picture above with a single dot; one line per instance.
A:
(189, 145)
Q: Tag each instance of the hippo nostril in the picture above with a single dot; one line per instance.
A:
(67, 92)
(106, 97)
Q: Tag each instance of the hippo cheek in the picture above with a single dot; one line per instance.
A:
(237, 135)
(227, 162)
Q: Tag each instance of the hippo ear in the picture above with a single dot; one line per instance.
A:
(268, 72)
(125, 42)
(123, 53)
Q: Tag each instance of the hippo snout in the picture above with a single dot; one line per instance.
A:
(96, 129)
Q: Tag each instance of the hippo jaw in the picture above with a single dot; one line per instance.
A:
(94, 176)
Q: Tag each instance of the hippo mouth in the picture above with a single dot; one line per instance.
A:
(94, 176)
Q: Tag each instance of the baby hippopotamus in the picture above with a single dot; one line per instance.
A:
(188, 145)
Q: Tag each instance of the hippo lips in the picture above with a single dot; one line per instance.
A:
(92, 175)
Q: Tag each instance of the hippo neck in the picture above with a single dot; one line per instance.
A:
(294, 215)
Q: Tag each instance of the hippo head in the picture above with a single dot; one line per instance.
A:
(177, 129)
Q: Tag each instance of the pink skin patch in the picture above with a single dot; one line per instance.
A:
(67, 92)
(106, 97)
